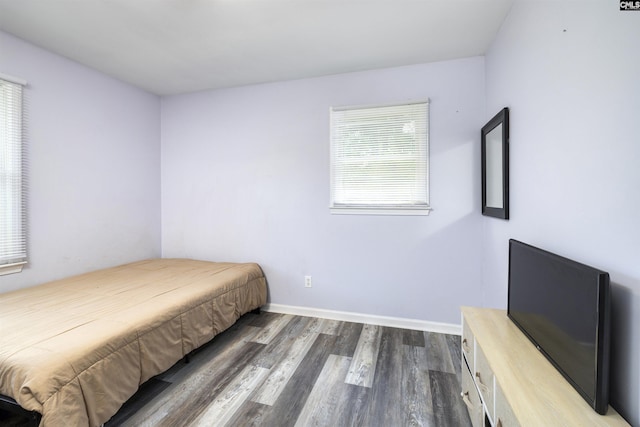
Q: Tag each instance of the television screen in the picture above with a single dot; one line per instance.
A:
(563, 307)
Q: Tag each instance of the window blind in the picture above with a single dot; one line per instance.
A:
(380, 158)
(13, 240)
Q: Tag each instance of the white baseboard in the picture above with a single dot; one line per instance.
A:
(394, 322)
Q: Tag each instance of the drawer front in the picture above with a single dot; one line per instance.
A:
(504, 414)
(483, 376)
(467, 345)
(471, 399)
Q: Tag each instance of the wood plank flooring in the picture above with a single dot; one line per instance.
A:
(282, 370)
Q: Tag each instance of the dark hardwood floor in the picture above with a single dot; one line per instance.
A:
(282, 370)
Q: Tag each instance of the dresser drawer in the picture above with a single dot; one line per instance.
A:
(467, 344)
(471, 398)
(504, 414)
(483, 377)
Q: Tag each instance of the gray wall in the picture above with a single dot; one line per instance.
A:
(94, 154)
(245, 176)
(569, 72)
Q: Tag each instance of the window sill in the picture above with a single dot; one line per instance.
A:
(379, 211)
(11, 268)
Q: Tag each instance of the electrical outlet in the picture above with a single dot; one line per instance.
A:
(307, 281)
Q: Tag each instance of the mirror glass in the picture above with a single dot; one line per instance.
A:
(494, 168)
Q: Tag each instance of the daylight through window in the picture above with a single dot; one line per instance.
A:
(380, 159)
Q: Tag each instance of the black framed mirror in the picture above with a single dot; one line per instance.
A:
(495, 166)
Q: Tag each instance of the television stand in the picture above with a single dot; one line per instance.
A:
(507, 382)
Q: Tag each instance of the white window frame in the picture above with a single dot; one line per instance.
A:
(342, 118)
(13, 217)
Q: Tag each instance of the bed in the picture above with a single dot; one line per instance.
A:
(75, 350)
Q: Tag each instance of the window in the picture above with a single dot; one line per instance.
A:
(380, 159)
(13, 248)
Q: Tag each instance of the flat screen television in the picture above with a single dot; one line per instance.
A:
(563, 307)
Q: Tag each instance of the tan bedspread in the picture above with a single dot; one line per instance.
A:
(76, 349)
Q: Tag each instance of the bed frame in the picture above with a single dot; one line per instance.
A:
(27, 418)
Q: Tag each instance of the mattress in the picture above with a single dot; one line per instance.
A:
(76, 349)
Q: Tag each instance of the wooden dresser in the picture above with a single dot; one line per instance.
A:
(507, 382)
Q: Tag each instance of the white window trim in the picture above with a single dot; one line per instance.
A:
(16, 267)
(13, 79)
(12, 268)
(421, 210)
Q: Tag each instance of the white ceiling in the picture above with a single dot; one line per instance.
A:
(176, 46)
